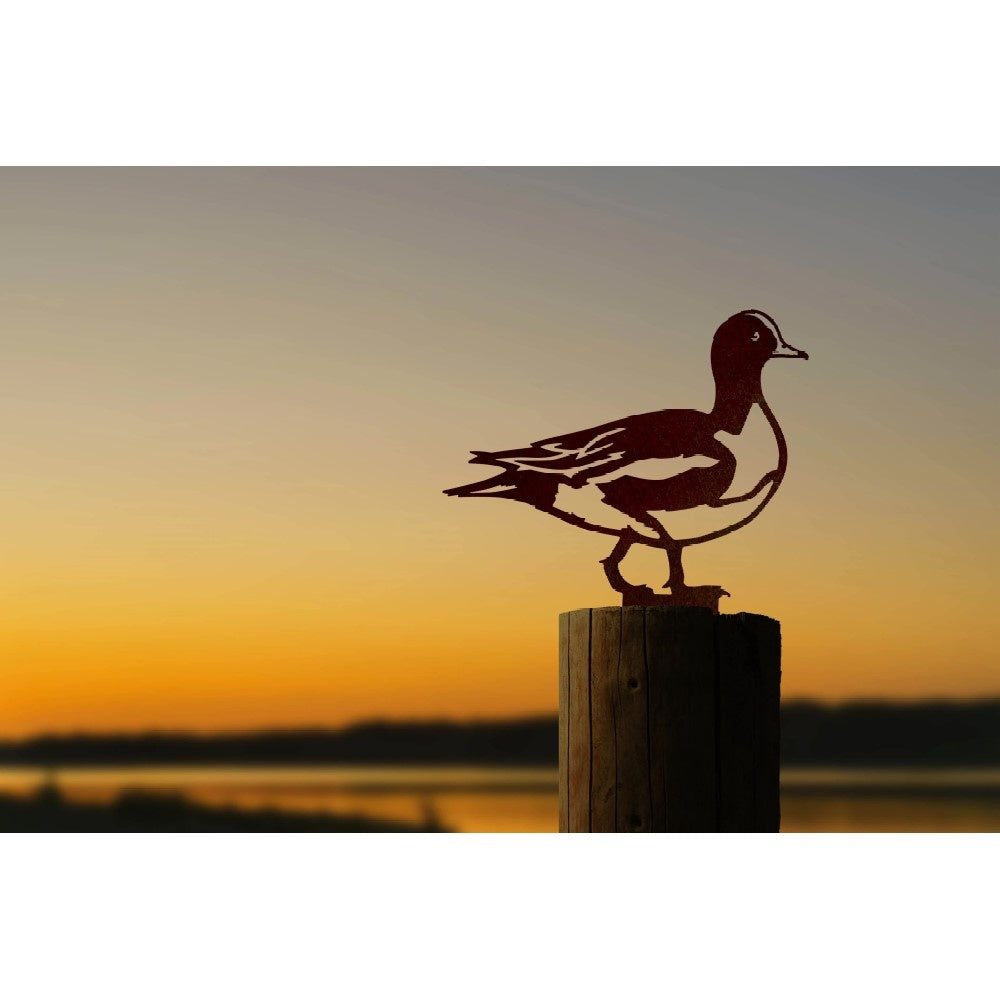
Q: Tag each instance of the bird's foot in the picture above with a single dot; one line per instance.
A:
(642, 597)
(679, 597)
(707, 596)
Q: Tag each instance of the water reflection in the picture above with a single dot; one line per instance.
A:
(508, 800)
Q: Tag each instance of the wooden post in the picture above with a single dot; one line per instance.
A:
(668, 721)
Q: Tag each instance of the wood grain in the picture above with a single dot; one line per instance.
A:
(659, 638)
(768, 699)
(605, 653)
(737, 723)
(579, 749)
(634, 807)
(564, 722)
(682, 644)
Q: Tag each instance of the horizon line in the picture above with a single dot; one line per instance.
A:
(442, 720)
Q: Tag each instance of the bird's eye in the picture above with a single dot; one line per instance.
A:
(756, 335)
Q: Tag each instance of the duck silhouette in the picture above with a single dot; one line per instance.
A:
(637, 478)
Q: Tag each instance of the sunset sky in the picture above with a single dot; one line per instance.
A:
(231, 399)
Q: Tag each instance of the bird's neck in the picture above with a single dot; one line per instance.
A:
(735, 397)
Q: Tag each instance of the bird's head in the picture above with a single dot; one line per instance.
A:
(746, 342)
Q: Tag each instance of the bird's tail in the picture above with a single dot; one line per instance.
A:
(496, 486)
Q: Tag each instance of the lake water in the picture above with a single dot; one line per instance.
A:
(485, 800)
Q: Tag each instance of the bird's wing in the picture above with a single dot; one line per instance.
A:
(567, 453)
(601, 450)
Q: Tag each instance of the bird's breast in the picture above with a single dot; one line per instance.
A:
(755, 456)
(755, 450)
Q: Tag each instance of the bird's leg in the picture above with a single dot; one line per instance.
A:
(631, 594)
(707, 596)
(676, 582)
(680, 592)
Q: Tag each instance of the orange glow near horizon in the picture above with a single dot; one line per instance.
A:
(231, 399)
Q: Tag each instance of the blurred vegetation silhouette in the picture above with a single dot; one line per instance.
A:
(528, 742)
(135, 811)
(863, 733)
(879, 733)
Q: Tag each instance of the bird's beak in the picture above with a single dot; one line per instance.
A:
(783, 350)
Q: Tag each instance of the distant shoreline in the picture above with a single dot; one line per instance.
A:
(932, 734)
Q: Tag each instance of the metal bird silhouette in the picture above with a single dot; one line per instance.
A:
(634, 477)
